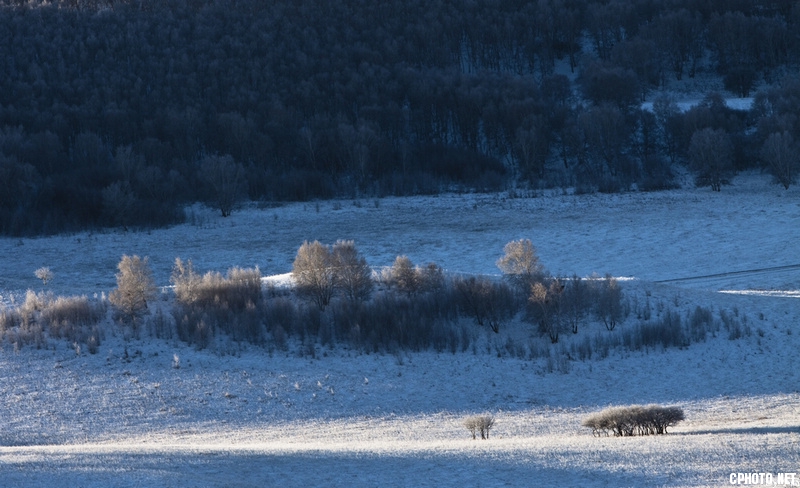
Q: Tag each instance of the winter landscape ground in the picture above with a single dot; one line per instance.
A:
(147, 412)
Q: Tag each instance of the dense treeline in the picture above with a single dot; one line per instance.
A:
(115, 113)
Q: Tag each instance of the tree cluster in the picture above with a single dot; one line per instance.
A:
(634, 420)
(479, 423)
(320, 272)
(120, 113)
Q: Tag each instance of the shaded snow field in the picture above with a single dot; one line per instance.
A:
(128, 416)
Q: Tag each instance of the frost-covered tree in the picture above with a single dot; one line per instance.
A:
(314, 274)
(353, 275)
(520, 264)
(403, 276)
(44, 274)
(633, 420)
(186, 282)
(135, 287)
(412, 280)
(479, 423)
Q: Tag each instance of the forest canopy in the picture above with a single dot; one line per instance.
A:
(117, 113)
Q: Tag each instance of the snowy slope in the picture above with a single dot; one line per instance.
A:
(128, 416)
(652, 236)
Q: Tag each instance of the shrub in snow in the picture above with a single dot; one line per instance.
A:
(64, 313)
(186, 283)
(232, 304)
(42, 315)
(75, 319)
(403, 277)
(633, 420)
(479, 423)
(393, 321)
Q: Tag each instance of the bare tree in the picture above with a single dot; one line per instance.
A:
(314, 273)
(574, 302)
(609, 305)
(135, 287)
(711, 156)
(354, 276)
(547, 302)
(520, 264)
(227, 180)
(782, 156)
(488, 302)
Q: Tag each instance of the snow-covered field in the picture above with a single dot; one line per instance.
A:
(128, 416)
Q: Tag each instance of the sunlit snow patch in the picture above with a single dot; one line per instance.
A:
(765, 293)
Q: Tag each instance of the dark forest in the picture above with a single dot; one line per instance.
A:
(119, 114)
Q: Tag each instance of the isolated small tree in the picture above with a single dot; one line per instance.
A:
(574, 302)
(314, 274)
(226, 179)
(135, 287)
(354, 276)
(44, 274)
(609, 302)
(520, 264)
(547, 305)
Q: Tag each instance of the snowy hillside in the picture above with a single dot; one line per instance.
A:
(147, 412)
